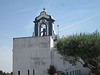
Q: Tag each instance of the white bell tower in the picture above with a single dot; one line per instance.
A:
(44, 25)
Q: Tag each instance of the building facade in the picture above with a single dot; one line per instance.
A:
(34, 55)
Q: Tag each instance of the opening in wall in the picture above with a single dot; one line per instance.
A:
(28, 72)
(43, 30)
(18, 72)
(33, 72)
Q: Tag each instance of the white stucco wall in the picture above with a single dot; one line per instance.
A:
(38, 53)
(31, 53)
(62, 65)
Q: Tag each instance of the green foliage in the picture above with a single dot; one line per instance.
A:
(1, 72)
(11, 73)
(4, 73)
(84, 46)
(51, 70)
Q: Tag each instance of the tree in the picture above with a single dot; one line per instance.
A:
(1, 72)
(51, 70)
(84, 46)
(11, 73)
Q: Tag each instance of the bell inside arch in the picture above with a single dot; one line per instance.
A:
(43, 30)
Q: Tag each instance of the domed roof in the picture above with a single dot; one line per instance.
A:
(44, 15)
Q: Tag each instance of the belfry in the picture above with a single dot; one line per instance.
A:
(34, 55)
(44, 25)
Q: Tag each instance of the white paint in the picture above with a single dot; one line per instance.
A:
(43, 21)
(31, 53)
(43, 14)
(38, 53)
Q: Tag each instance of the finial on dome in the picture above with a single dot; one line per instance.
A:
(43, 9)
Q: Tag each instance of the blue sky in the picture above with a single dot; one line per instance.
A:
(17, 16)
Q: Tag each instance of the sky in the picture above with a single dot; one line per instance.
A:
(17, 16)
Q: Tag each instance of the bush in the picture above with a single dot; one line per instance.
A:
(51, 70)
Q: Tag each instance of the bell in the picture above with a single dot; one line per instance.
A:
(44, 32)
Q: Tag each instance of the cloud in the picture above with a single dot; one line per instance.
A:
(88, 18)
(24, 10)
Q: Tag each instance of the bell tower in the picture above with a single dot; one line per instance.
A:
(44, 25)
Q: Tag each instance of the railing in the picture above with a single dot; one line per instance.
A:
(76, 72)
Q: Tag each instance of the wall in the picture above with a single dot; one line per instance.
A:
(63, 65)
(31, 53)
(38, 53)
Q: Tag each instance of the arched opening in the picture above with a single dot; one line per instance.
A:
(43, 30)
